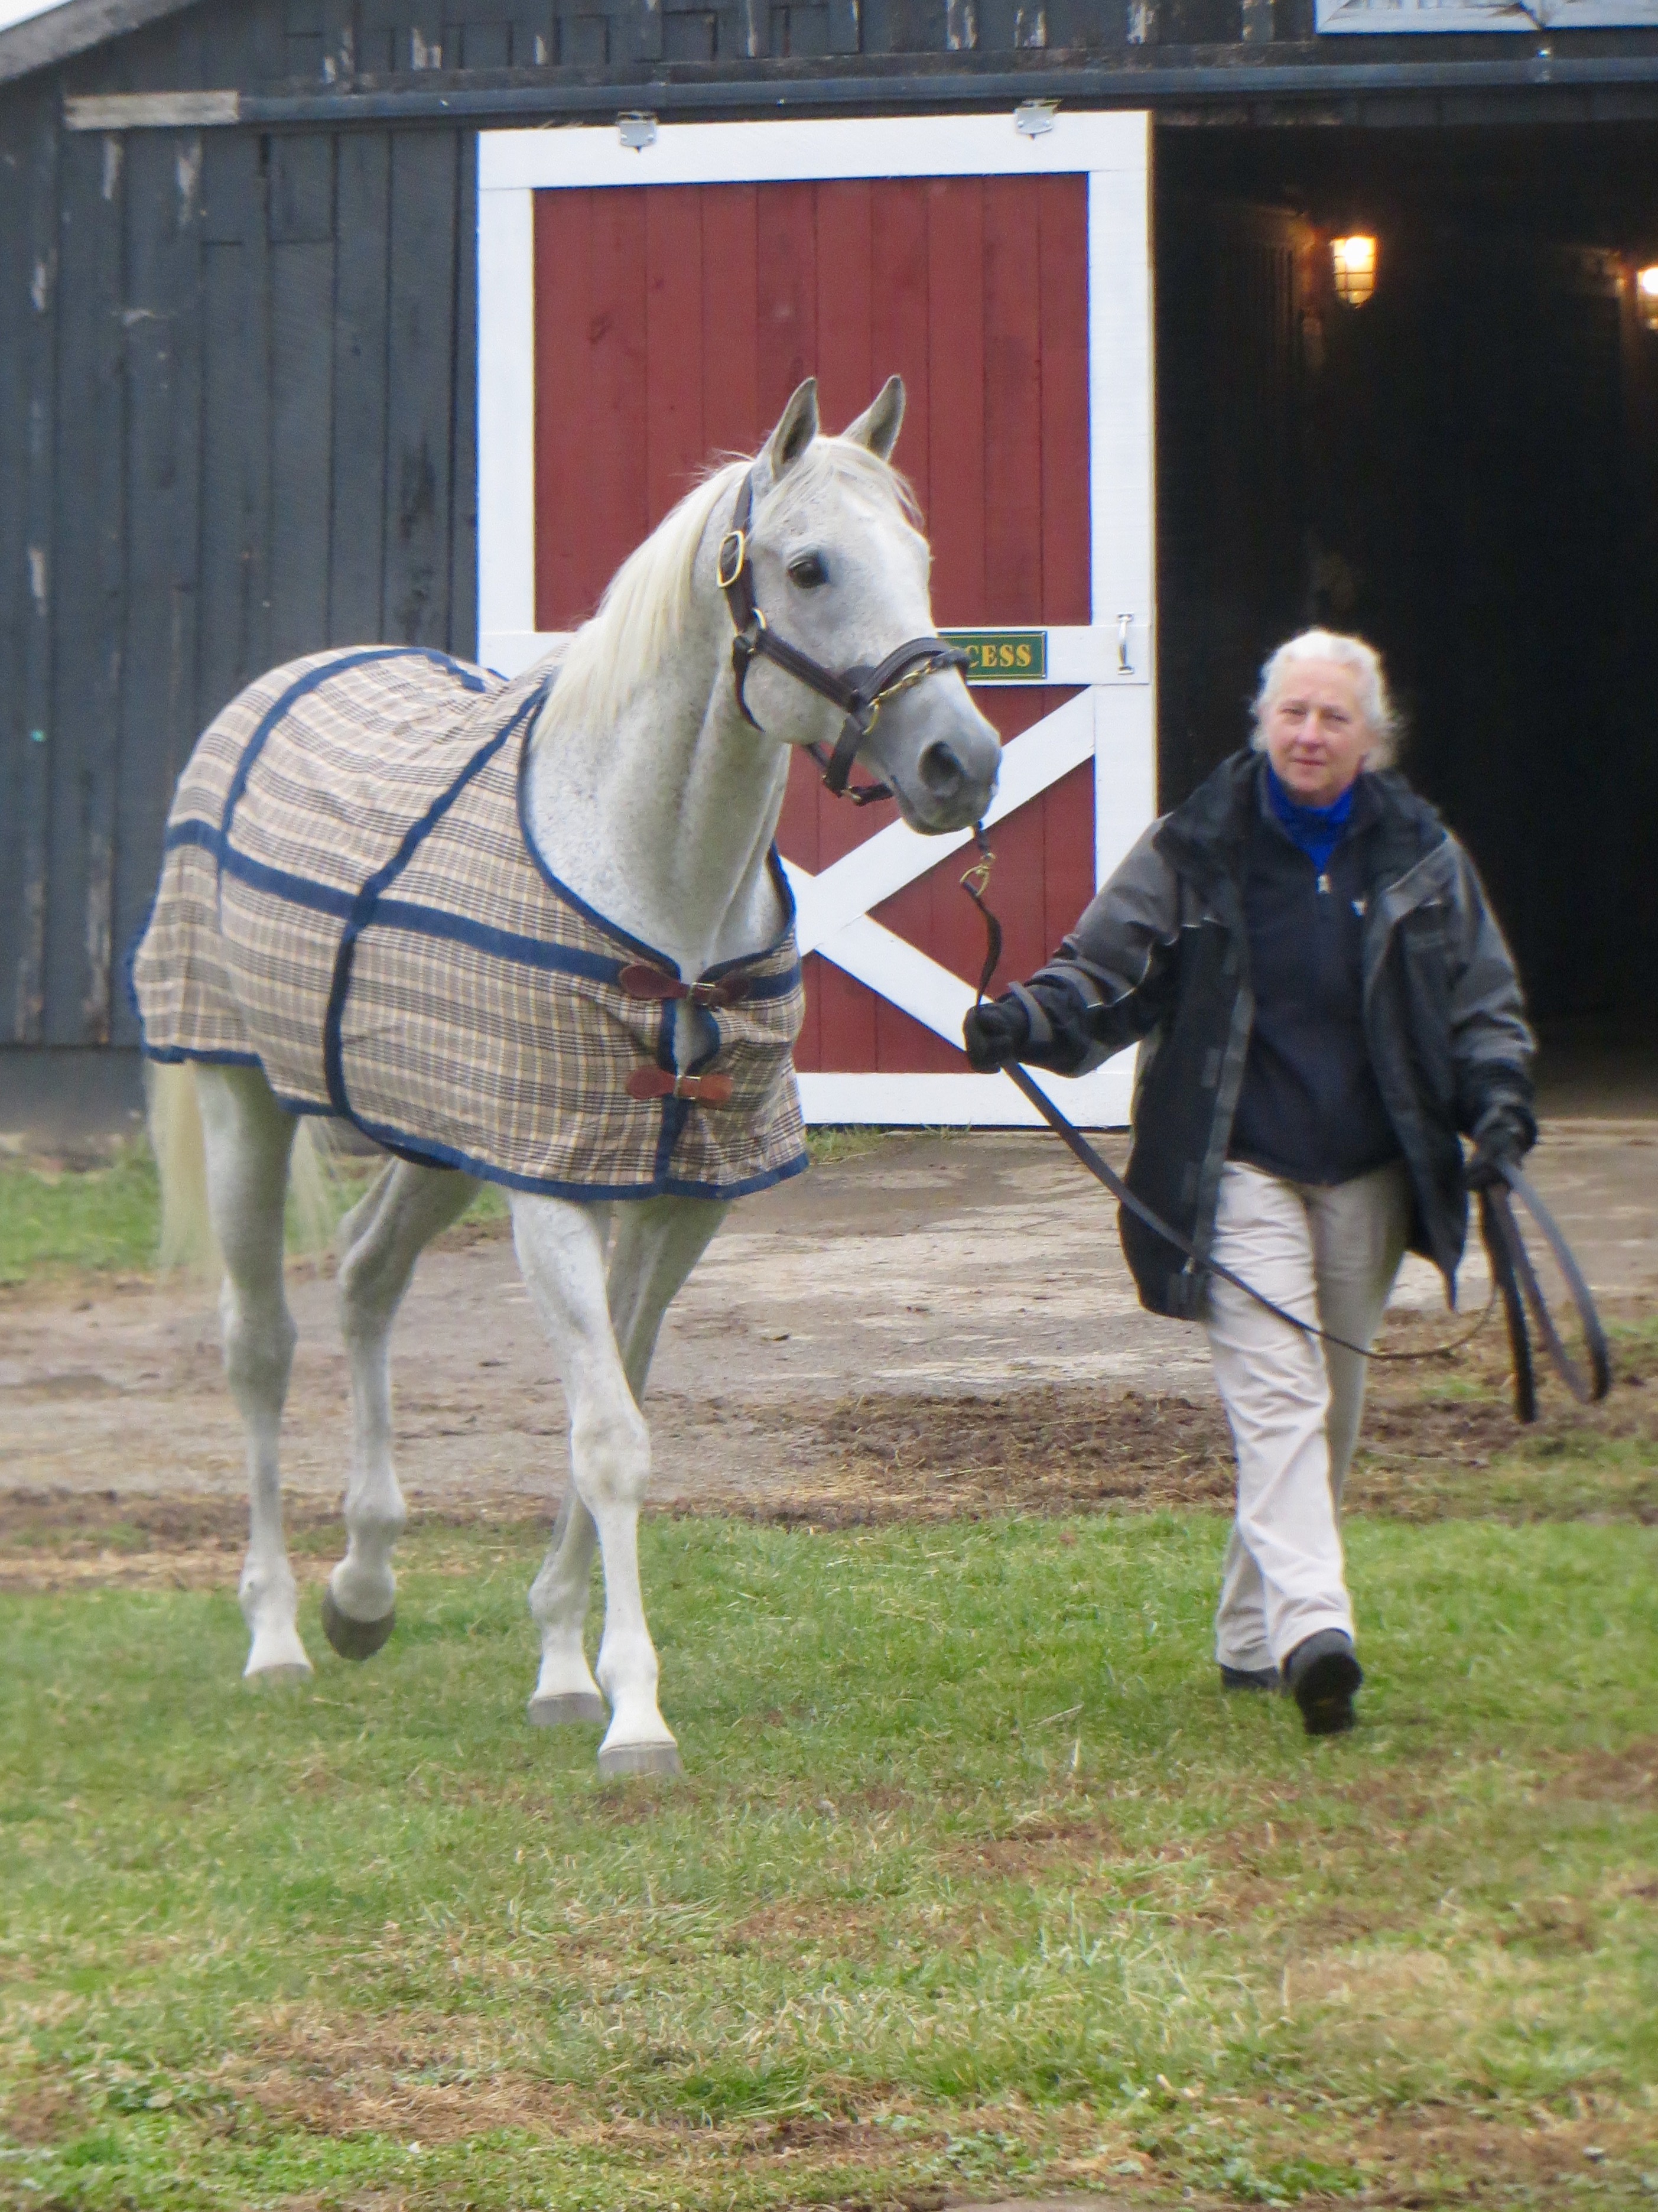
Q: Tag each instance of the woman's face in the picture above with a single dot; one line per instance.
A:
(1315, 735)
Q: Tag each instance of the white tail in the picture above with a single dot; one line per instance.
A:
(176, 1140)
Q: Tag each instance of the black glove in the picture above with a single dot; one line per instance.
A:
(1502, 1136)
(996, 1034)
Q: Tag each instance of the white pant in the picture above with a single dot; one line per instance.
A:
(1328, 1254)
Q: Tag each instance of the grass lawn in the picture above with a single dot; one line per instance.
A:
(975, 1883)
(104, 1216)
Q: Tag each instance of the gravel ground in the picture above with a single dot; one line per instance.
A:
(833, 1314)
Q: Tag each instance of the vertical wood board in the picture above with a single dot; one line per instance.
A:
(37, 395)
(360, 380)
(89, 497)
(163, 463)
(420, 381)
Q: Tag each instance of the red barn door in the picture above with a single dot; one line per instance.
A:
(670, 322)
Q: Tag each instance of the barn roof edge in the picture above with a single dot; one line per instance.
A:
(770, 89)
(62, 32)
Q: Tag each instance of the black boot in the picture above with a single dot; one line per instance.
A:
(1321, 1675)
(1250, 1678)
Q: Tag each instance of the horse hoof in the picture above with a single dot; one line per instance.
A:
(622, 1759)
(354, 1639)
(584, 1707)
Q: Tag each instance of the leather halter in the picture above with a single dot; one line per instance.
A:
(859, 693)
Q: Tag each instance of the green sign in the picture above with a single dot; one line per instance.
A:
(1003, 656)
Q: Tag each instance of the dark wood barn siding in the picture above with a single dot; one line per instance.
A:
(28, 326)
(237, 403)
(244, 43)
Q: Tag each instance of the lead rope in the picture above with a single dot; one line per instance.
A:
(1513, 1277)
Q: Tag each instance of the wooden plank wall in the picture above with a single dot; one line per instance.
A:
(237, 396)
(239, 42)
(674, 323)
(30, 155)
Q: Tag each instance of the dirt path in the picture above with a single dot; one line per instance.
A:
(827, 1322)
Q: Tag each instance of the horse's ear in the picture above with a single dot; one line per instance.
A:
(797, 425)
(879, 425)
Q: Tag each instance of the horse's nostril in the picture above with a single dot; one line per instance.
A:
(941, 771)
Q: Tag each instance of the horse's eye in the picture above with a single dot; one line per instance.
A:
(808, 570)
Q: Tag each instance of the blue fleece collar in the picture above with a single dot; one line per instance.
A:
(1316, 829)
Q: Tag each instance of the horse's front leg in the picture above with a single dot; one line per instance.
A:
(561, 1248)
(655, 1244)
(658, 1241)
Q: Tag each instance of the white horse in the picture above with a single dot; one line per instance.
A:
(654, 797)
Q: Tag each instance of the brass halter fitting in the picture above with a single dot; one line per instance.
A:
(733, 558)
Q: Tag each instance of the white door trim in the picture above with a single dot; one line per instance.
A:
(812, 149)
(1115, 717)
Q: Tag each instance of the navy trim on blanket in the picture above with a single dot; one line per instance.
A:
(579, 905)
(130, 963)
(362, 907)
(785, 891)
(423, 1152)
(675, 1112)
(769, 989)
(258, 875)
(504, 944)
(170, 1055)
(407, 915)
(762, 987)
(312, 680)
(661, 1185)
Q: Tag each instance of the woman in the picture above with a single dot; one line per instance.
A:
(1325, 1004)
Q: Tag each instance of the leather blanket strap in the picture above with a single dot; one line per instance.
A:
(1512, 1273)
(641, 981)
(663, 1083)
(859, 693)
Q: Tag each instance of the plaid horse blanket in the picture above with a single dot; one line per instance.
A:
(351, 900)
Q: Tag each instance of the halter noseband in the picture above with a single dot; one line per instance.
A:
(859, 693)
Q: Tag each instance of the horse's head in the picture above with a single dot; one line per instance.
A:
(839, 572)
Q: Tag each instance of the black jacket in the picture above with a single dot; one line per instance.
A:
(1162, 957)
(1309, 1108)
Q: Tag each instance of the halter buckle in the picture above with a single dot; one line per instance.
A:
(733, 558)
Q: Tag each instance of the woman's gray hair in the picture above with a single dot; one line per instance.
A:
(1374, 702)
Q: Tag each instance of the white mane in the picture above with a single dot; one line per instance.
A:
(642, 616)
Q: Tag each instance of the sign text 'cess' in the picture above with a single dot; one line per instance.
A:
(1003, 656)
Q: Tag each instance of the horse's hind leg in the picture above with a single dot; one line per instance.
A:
(382, 1239)
(247, 1138)
(656, 1243)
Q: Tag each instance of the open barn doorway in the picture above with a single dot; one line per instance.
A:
(1463, 468)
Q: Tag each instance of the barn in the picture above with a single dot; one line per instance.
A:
(330, 320)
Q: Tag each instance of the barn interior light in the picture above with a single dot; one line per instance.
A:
(1646, 295)
(1354, 262)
